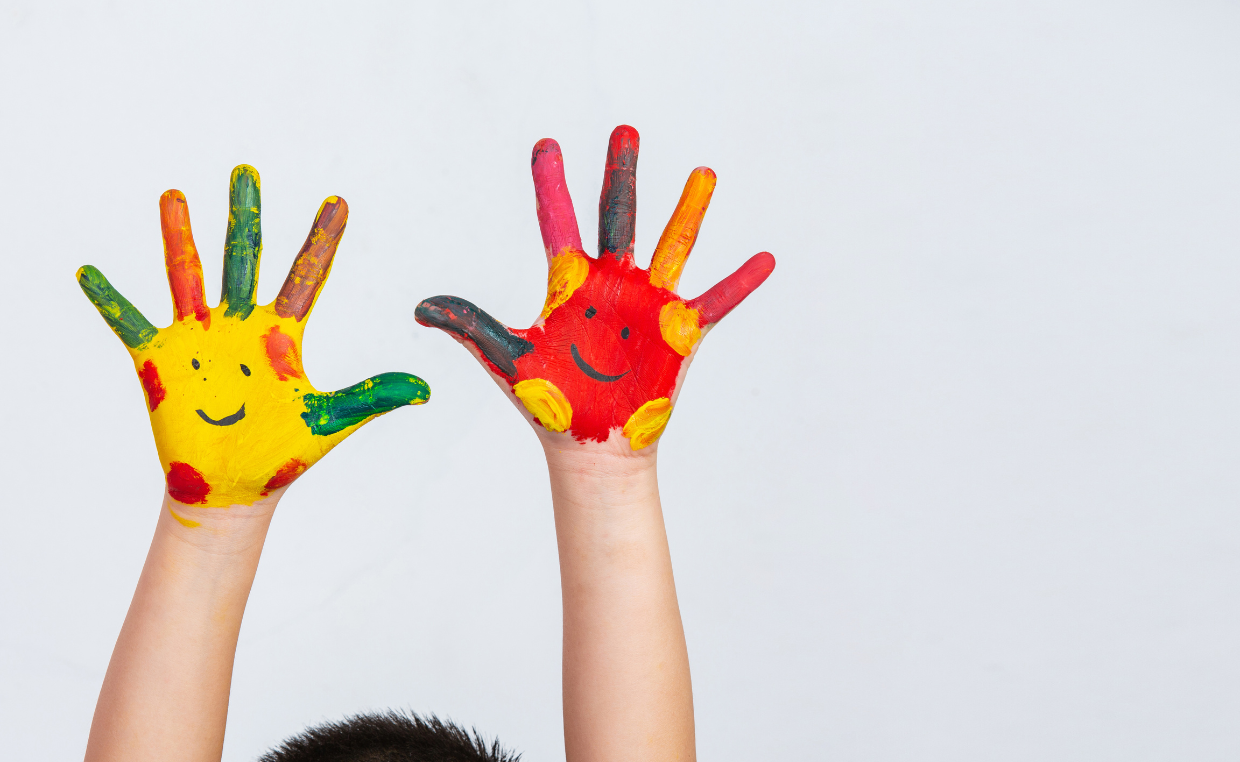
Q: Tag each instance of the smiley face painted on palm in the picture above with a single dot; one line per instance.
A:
(227, 420)
(603, 350)
(233, 413)
(607, 353)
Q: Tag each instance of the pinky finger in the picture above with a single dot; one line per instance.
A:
(723, 297)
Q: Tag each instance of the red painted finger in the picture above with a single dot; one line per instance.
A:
(314, 261)
(181, 258)
(617, 205)
(721, 298)
(556, 217)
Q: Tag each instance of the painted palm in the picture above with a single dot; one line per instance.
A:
(233, 413)
(613, 340)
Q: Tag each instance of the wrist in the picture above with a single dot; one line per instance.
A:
(601, 491)
(234, 530)
(612, 460)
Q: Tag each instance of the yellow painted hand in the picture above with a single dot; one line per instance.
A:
(233, 413)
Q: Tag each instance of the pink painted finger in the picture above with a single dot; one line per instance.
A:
(721, 298)
(556, 217)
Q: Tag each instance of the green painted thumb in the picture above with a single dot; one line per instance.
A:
(330, 412)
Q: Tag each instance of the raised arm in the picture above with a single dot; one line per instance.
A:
(627, 691)
(597, 375)
(236, 421)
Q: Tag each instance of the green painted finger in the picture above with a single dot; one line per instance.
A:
(329, 412)
(129, 324)
(244, 243)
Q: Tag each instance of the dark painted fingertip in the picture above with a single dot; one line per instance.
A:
(330, 412)
(544, 146)
(617, 204)
(497, 344)
(121, 316)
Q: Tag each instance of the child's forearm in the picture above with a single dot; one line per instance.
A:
(165, 695)
(627, 692)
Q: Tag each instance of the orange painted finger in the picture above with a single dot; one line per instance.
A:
(314, 261)
(681, 232)
(181, 258)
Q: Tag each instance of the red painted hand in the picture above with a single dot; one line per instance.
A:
(612, 345)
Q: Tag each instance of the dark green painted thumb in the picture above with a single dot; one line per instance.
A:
(329, 412)
(129, 324)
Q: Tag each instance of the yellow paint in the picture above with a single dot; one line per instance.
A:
(237, 460)
(679, 326)
(676, 243)
(647, 424)
(184, 521)
(567, 272)
(546, 402)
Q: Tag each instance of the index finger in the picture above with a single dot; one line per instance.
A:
(556, 218)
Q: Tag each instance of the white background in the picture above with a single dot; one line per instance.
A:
(958, 483)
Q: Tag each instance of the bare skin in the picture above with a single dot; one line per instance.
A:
(627, 690)
(165, 695)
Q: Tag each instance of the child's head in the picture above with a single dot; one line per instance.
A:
(389, 737)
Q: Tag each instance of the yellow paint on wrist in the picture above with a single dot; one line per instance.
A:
(567, 272)
(545, 402)
(679, 326)
(184, 522)
(647, 424)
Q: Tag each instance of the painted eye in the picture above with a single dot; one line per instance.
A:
(245, 370)
(624, 332)
(194, 362)
(591, 312)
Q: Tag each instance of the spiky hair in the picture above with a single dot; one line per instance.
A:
(391, 736)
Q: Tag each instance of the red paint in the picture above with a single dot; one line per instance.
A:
(282, 354)
(286, 475)
(181, 259)
(186, 485)
(722, 297)
(155, 392)
(603, 347)
(621, 294)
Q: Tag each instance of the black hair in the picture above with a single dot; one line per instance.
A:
(389, 736)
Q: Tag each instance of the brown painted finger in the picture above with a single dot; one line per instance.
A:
(181, 258)
(314, 261)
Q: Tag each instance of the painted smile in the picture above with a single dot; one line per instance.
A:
(589, 371)
(227, 420)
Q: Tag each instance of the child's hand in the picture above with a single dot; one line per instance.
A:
(233, 413)
(610, 349)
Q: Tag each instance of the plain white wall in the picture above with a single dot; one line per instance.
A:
(958, 483)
